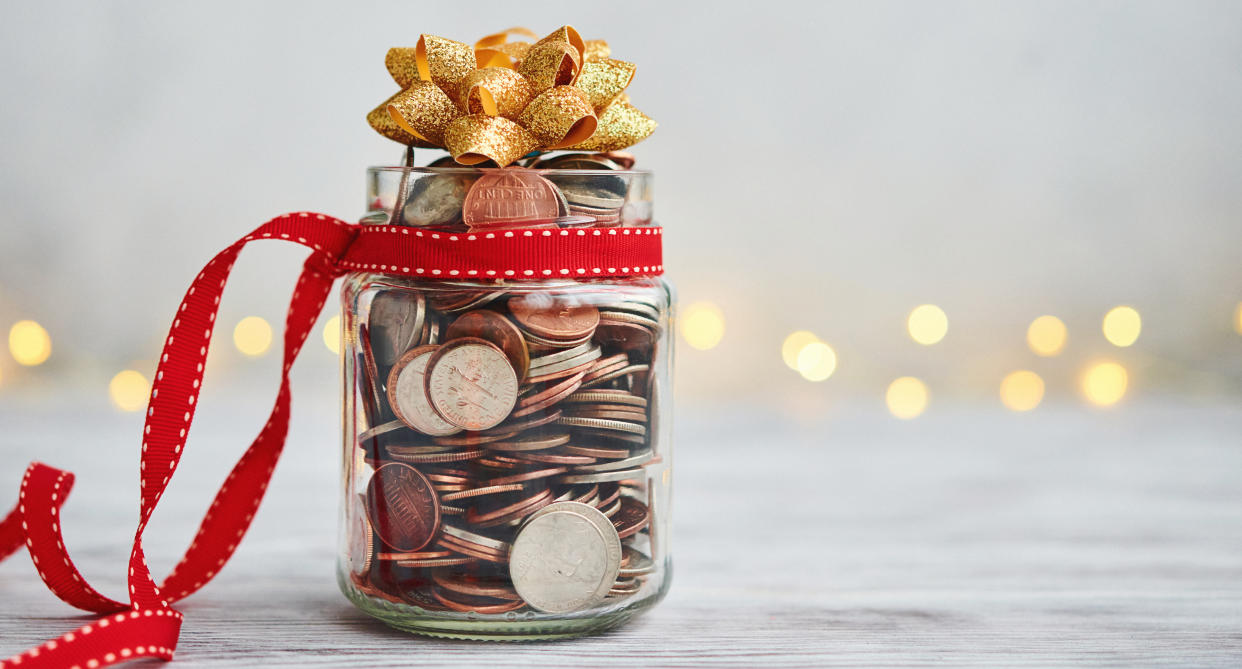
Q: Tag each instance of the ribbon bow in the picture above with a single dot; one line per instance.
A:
(502, 99)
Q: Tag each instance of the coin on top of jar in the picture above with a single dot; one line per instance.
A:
(402, 507)
(510, 196)
(436, 199)
(471, 383)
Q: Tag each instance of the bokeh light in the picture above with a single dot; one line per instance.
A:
(816, 361)
(1122, 326)
(906, 397)
(793, 345)
(927, 324)
(332, 334)
(702, 325)
(1046, 336)
(252, 336)
(1104, 383)
(129, 390)
(1021, 390)
(29, 343)
(1237, 319)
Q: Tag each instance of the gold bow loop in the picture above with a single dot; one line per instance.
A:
(501, 99)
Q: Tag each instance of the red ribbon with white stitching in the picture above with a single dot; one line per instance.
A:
(147, 626)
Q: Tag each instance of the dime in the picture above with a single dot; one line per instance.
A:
(553, 318)
(510, 428)
(580, 370)
(604, 477)
(549, 397)
(471, 383)
(565, 558)
(602, 424)
(591, 412)
(407, 394)
(436, 199)
(512, 195)
(626, 371)
(491, 326)
(560, 356)
(402, 507)
(384, 428)
(555, 459)
(607, 395)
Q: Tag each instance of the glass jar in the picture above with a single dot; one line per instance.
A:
(507, 452)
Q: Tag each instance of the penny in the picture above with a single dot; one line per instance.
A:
(511, 195)
(474, 438)
(610, 510)
(589, 412)
(565, 558)
(472, 551)
(361, 539)
(638, 308)
(491, 326)
(436, 199)
(629, 437)
(541, 344)
(625, 336)
(526, 476)
(604, 477)
(395, 321)
(491, 489)
(435, 458)
(413, 555)
(560, 356)
(469, 607)
(634, 461)
(402, 507)
(504, 514)
(383, 428)
(549, 397)
(612, 492)
(632, 517)
(510, 428)
(602, 424)
(606, 395)
(535, 443)
(552, 317)
(437, 562)
(627, 317)
(555, 459)
(591, 354)
(474, 586)
(597, 452)
(407, 394)
(580, 370)
(471, 383)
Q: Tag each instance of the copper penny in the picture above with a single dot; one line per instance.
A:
(632, 517)
(438, 562)
(508, 196)
(509, 429)
(554, 318)
(474, 586)
(402, 507)
(471, 383)
(519, 508)
(489, 325)
(535, 443)
(413, 555)
(555, 459)
(598, 452)
(572, 371)
(526, 476)
(548, 397)
(435, 458)
(468, 607)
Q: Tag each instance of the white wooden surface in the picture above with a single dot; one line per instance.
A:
(968, 537)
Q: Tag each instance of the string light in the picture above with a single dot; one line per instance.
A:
(816, 361)
(252, 336)
(1122, 326)
(906, 397)
(1021, 390)
(129, 390)
(702, 325)
(332, 334)
(927, 324)
(29, 344)
(1104, 383)
(793, 345)
(1046, 336)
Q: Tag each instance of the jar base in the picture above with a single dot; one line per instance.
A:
(510, 627)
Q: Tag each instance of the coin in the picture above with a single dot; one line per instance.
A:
(565, 558)
(402, 507)
(437, 562)
(436, 199)
(413, 555)
(602, 424)
(555, 458)
(604, 477)
(492, 489)
(474, 586)
(550, 396)
(560, 356)
(395, 320)
(632, 517)
(465, 605)
(597, 452)
(553, 318)
(434, 458)
(606, 395)
(526, 476)
(590, 355)
(634, 563)
(474, 538)
(633, 461)
(491, 326)
(407, 394)
(361, 540)
(511, 195)
(384, 428)
(471, 383)
(533, 443)
(518, 509)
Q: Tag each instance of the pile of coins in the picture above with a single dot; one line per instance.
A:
(505, 436)
(569, 190)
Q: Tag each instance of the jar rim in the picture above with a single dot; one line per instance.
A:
(485, 170)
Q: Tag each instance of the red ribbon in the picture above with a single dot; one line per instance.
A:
(147, 626)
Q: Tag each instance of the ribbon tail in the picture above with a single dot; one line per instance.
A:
(149, 627)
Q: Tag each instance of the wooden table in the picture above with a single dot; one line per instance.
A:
(968, 537)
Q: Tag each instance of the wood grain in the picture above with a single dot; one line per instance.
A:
(968, 537)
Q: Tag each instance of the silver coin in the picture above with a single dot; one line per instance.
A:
(361, 541)
(625, 371)
(592, 353)
(565, 558)
(627, 317)
(604, 396)
(639, 564)
(407, 394)
(396, 324)
(464, 535)
(471, 384)
(632, 461)
(436, 199)
(638, 308)
(604, 477)
(559, 356)
(603, 424)
(381, 429)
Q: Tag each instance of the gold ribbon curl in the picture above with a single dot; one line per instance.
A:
(501, 99)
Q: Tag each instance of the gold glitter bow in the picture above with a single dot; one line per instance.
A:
(503, 99)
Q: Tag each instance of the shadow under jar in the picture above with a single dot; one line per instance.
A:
(507, 457)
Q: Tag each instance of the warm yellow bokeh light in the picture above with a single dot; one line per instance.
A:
(252, 336)
(332, 334)
(816, 361)
(927, 324)
(1046, 335)
(1022, 390)
(1237, 319)
(29, 343)
(702, 325)
(129, 390)
(1122, 326)
(1104, 383)
(906, 397)
(794, 343)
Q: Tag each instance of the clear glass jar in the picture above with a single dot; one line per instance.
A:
(507, 452)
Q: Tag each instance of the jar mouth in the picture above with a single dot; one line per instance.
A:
(396, 169)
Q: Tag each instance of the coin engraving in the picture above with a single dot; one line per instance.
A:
(471, 383)
(407, 394)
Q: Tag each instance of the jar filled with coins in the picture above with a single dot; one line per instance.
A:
(507, 457)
